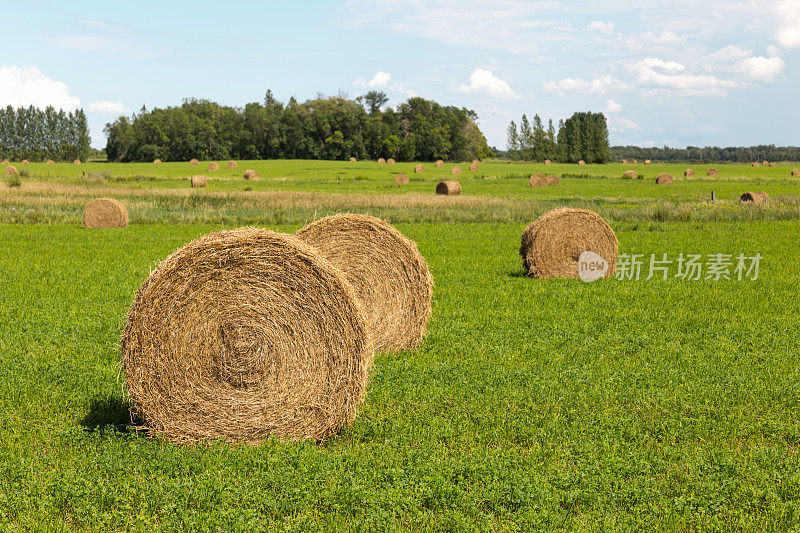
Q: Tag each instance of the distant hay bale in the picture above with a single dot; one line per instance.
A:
(419, 169)
(712, 172)
(245, 335)
(473, 167)
(5, 162)
(766, 162)
(199, 181)
(401, 178)
(633, 162)
(448, 188)
(581, 162)
(212, 167)
(664, 179)
(194, 162)
(50, 162)
(756, 197)
(439, 163)
(624, 161)
(755, 164)
(455, 170)
(688, 173)
(646, 161)
(548, 162)
(10, 170)
(156, 161)
(630, 174)
(250, 175)
(390, 161)
(381, 161)
(391, 279)
(105, 213)
(551, 179)
(552, 244)
(76, 162)
(232, 165)
(538, 180)
(353, 159)
(773, 165)
(25, 162)
(796, 172)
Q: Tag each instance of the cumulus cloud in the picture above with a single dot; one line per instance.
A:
(743, 65)
(761, 68)
(599, 85)
(380, 79)
(612, 107)
(602, 27)
(659, 74)
(27, 86)
(102, 106)
(484, 82)
(621, 124)
(788, 32)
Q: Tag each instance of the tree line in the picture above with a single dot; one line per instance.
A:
(709, 154)
(37, 135)
(333, 128)
(583, 136)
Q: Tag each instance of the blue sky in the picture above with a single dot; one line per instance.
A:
(666, 72)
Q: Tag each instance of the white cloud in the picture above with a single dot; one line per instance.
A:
(27, 86)
(483, 81)
(102, 106)
(761, 68)
(621, 124)
(380, 79)
(655, 73)
(743, 65)
(600, 85)
(602, 27)
(612, 107)
(788, 32)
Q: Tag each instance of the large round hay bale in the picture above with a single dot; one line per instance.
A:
(664, 179)
(212, 167)
(25, 162)
(755, 164)
(390, 161)
(712, 172)
(50, 162)
(581, 162)
(401, 178)
(552, 244)
(10, 170)
(419, 169)
(250, 175)
(796, 172)
(244, 335)
(646, 161)
(630, 174)
(548, 162)
(381, 161)
(194, 162)
(473, 167)
(551, 179)
(390, 277)
(156, 161)
(353, 159)
(439, 163)
(199, 181)
(773, 165)
(455, 171)
(688, 173)
(76, 162)
(448, 188)
(232, 165)
(105, 213)
(537, 180)
(755, 197)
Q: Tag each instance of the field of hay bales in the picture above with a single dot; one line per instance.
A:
(530, 404)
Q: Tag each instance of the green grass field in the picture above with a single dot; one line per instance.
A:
(531, 404)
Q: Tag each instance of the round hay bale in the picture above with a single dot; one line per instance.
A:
(688, 173)
(353, 159)
(581, 162)
(630, 174)
(551, 179)
(10, 170)
(548, 162)
(664, 179)
(244, 335)
(250, 175)
(473, 167)
(391, 279)
(455, 170)
(419, 169)
(439, 163)
(624, 161)
(712, 172)
(766, 162)
(646, 161)
(796, 172)
(199, 181)
(755, 197)
(212, 167)
(25, 162)
(381, 161)
(232, 165)
(401, 178)
(390, 161)
(5, 162)
(156, 161)
(105, 213)
(755, 164)
(552, 244)
(50, 162)
(194, 162)
(448, 188)
(76, 162)
(773, 165)
(633, 162)
(537, 180)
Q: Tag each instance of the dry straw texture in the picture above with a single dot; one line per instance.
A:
(538, 180)
(633, 162)
(401, 179)
(419, 169)
(552, 244)
(25, 162)
(51, 162)
(199, 181)
(624, 161)
(156, 161)
(76, 162)
(5, 162)
(766, 162)
(381, 161)
(755, 197)
(194, 162)
(646, 161)
(581, 162)
(664, 179)
(688, 173)
(10, 170)
(551, 179)
(712, 172)
(548, 162)
(212, 167)
(449, 188)
(439, 163)
(105, 213)
(243, 335)
(796, 172)
(773, 165)
(755, 164)
(473, 167)
(232, 165)
(390, 277)
(455, 171)
(630, 174)
(390, 161)
(250, 175)
(353, 159)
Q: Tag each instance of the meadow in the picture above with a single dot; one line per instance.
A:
(531, 404)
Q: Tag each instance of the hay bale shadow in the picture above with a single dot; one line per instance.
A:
(108, 413)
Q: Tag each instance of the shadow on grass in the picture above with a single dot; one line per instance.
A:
(108, 413)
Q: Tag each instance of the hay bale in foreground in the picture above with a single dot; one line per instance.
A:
(796, 172)
(581, 162)
(712, 172)
(105, 213)
(10, 170)
(630, 174)
(455, 171)
(473, 167)
(390, 161)
(537, 180)
(448, 188)
(232, 165)
(419, 169)
(194, 162)
(391, 279)
(755, 197)
(755, 164)
(212, 167)
(50, 162)
(199, 181)
(76, 162)
(156, 161)
(439, 163)
(25, 162)
(688, 173)
(353, 159)
(244, 335)
(401, 178)
(664, 179)
(250, 175)
(552, 244)
(381, 161)
(551, 179)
